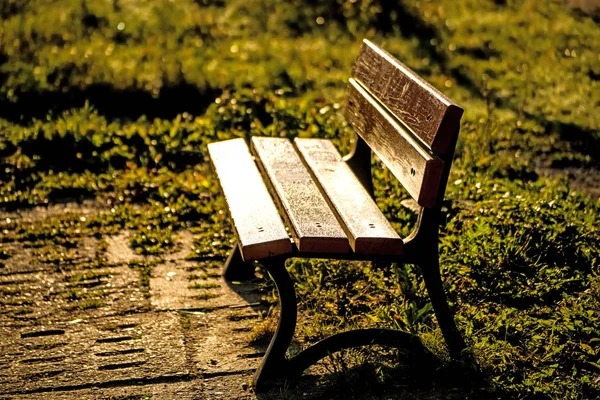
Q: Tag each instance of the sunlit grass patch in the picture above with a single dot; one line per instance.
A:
(128, 94)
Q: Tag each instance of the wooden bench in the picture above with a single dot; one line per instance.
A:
(326, 201)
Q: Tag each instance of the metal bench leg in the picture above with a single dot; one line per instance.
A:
(235, 268)
(274, 364)
(433, 282)
(408, 343)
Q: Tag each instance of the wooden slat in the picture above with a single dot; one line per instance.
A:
(257, 223)
(314, 226)
(416, 168)
(429, 114)
(367, 228)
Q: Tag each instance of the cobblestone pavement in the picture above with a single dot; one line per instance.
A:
(91, 319)
(184, 334)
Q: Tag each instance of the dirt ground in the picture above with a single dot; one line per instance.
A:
(171, 342)
(176, 331)
(184, 334)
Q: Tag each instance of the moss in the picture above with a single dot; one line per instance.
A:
(204, 286)
(205, 296)
(144, 269)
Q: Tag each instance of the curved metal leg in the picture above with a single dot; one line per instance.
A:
(274, 364)
(358, 338)
(433, 282)
(235, 268)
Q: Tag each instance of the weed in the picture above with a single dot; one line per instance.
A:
(204, 286)
(144, 269)
(205, 296)
(262, 332)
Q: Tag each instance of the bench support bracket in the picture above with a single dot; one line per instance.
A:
(359, 161)
(275, 366)
(423, 246)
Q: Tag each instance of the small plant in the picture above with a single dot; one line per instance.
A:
(263, 332)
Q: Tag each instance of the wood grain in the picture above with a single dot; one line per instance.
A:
(366, 227)
(314, 226)
(416, 168)
(258, 226)
(427, 112)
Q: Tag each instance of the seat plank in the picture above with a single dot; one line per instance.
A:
(416, 168)
(428, 113)
(367, 228)
(314, 226)
(257, 223)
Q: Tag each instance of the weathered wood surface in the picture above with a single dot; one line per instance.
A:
(314, 226)
(429, 114)
(366, 227)
(416, 168)
(257, 223)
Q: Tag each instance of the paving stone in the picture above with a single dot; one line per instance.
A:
(28, 259)
(123, 348)
(169, 287)
(186, 390)
(173, 288)
(169, 283)
(185, 244)
(47, 296)
(84, 208)
(118, 250)
(226, 333)
(226, 386)
(104, 351)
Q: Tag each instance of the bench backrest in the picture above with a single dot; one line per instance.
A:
(410, 125)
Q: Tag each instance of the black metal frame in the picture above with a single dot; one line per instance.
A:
(420, 248)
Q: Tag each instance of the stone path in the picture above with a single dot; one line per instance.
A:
(91, 319)
(88, 318)
(185, 336)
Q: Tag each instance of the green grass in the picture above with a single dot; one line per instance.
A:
(205, 296)
(203, 286)
(144, 269)
(90, 275)
(116, 102)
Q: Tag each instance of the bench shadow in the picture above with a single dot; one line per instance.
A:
(582, 140)
(405, 376)
(248, 288)
(409, 379)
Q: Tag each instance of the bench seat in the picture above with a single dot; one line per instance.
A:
(314, 227)
(325, 207)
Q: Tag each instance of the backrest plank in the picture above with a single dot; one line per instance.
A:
(314, 226)
(429, 114)
(259, 228)
(418, 170)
